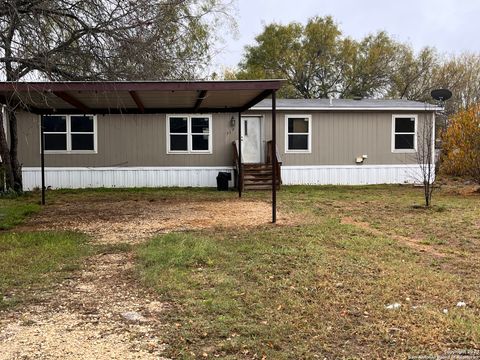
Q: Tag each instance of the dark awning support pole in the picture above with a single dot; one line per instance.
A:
(240, 170)
(274, 157)
(42, 158)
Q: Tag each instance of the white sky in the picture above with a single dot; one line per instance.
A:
(452, 26)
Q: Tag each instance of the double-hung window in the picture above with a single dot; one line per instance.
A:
(70, 133)
(298, 133)
(189, 134)
(404, 133)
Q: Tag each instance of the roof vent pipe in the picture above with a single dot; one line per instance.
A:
(331, 102)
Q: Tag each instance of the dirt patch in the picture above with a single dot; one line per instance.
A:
(465, 190)
(459, 186)
(102, 312)
(110, 221)
(414, 243)
(82, 318)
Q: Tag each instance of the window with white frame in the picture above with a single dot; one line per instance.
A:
(404, 137)
(298, 130)
(70, 133)
(189, 134)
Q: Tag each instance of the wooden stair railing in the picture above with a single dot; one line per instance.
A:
(276, 153)
(256, 176)
(236, 163)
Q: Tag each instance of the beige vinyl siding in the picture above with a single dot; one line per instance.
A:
(338, 137)
(128, 140)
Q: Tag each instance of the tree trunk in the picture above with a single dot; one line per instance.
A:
(16, 167)
(428, 194)
(15, 176)
(5, 154)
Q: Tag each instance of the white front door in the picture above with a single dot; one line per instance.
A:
(251, 139)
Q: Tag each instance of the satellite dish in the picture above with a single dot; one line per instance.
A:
(441, 94)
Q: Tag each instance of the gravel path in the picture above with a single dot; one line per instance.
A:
(133, 221)
(84, 318)
(102, 312)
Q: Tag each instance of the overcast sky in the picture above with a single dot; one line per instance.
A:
(452, 26)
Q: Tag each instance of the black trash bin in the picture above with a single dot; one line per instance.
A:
(222, 181)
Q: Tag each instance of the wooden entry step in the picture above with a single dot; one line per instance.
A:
(258, 177)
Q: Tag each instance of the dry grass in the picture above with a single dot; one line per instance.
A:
(319, 290)
(315, 287)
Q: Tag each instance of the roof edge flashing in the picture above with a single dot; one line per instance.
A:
(340, 108)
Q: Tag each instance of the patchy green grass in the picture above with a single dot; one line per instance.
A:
(320, 289)
(13, 210)
(30, 261)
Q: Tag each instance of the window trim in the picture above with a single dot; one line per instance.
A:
(189, 134)
(309, 142)
(69, 133)
(393, 133)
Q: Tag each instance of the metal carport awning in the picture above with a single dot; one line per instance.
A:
(143, 97)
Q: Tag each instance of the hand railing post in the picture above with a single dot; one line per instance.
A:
(240, 169)
(274, 157)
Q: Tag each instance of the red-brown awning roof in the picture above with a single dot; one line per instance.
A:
(114, 97)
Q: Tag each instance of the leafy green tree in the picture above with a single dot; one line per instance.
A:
(371, 66)
(318, 61)
(414, 75)
(460, 74)
(310, 57)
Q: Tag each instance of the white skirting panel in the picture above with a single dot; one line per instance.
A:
(122, 177)
(351, 175)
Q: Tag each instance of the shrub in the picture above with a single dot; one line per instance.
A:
(461, 144)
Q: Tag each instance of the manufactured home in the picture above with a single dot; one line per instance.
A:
(153, 134)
